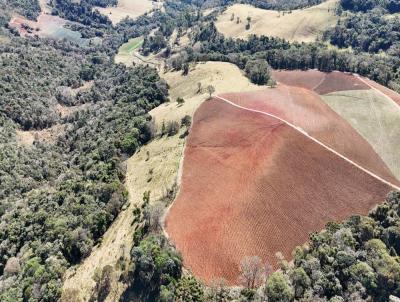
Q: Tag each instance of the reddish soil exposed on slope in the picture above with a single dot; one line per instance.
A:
(252, 185)
(305, 79)
(305, 109)
(43, 24)
(388, 92)
(320, 82)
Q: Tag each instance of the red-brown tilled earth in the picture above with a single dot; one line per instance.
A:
(305, 109)
(320, 82)
(252, 185)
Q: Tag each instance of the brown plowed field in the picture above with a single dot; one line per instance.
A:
(252, 185)
(305, 109)
(320, 82)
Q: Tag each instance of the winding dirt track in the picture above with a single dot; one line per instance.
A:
(254, 183)
(302, 131)
(304, 109)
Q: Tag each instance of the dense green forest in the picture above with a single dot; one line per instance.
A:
(283, 4)
(392, 6)
(372, 32)
(281, 54)
(82, 12)
(27, 8)
(58, 199)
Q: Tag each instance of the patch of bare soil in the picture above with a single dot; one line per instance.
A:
(48, 135)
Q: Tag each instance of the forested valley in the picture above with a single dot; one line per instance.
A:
(58, 196)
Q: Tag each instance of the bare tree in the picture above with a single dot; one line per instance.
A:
(155, 216)
(198, 88)
(103, 281)
(252, 272)
(248, 23)
(210, 90)
(12, 266)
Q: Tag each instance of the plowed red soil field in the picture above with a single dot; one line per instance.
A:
(320, 82)
(252, 185)
(306, 110)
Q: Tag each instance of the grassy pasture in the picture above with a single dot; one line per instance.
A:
(303, 25)
(131, 45)
(375, 118)
(127, 8)
(126, 50)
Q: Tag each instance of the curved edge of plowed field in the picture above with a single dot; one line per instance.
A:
(388, 93)
(254, 184)
(308, 79)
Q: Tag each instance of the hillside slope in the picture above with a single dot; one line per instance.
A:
(252, 185)
(303, 25)
(158, 160)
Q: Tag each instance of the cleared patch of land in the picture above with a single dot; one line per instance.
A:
(219, 74)
(45, 7)
(48, 135)
(128, 8)
(375, 117)
(252, 185)
(303, 25)
(126, 51)
(371, 109)
(162, 157)
(46, 26)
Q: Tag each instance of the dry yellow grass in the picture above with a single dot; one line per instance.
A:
(163, 160)
(162, 157)
(46, 9)
(303, 25)
(25, 137)
(128, 8)
(48, 135)
(225, 77)
(4, 39)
